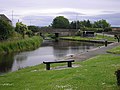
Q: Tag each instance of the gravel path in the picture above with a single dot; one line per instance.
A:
(94, 52)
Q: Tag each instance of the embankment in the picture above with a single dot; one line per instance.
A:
(20, 45)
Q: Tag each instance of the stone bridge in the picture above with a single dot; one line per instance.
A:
(59, 32)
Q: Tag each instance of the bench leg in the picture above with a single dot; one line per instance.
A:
(69, 64)
(47, 66)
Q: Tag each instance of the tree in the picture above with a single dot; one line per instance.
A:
(107, 29)
(60, 22)
(21, 28)
(29, 33)
(86, 23)
(6, 30)
(34, 28)
(101, 24)
(75, 25)
(72, 25)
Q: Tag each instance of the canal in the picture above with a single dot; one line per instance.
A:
(49, 50)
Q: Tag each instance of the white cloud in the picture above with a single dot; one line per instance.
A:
(52, 8)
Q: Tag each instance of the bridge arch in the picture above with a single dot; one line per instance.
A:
(59, 32)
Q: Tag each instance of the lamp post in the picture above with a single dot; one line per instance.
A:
(103, 33)
(76, 20)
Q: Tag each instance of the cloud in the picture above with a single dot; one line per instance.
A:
(113, 19)
(45, 4)
(108, 12)
(46, 10)
(37, 20)
(70, 13)
(83, 4)
(45, 20)
(2, 10)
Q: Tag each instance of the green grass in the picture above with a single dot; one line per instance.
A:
(20, 45)
(96, 73)
(115, 50)
(97, 37)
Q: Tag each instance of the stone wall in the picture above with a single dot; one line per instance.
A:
(61, 32)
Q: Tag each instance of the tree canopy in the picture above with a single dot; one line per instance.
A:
(21, 28)
(63, 23)
(34, 28)
(6, 30)
(101, 24)
(60, 22)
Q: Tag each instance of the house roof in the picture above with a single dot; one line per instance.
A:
(115, 27)
(2, 16)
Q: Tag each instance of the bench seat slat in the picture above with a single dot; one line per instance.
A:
(61, 61)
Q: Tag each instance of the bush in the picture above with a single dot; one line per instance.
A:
(6, 30)
(107, 29)
(20, 45)
(29, 33)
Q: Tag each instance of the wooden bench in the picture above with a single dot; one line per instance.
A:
(60, 61)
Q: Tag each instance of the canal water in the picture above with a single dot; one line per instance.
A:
(49, 51)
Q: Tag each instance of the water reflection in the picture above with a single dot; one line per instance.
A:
(6, 62)
(49, 50)
(63, 48)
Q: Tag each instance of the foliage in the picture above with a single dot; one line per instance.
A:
(115, 50)
(6, 30)
(101, 24)
(75, 25)
(21, 28)
(34, 28)
(86, 23)
(20, 45)
(97, 26)
(80, 24)
(60, 22)
(29, 33)
(96, 73)
(107, 29)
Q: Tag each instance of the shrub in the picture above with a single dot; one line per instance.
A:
(6, 30)
(20, 45)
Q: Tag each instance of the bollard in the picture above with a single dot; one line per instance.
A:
(117, 37)
(106, 43)
(117, 73)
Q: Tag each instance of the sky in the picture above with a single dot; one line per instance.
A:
(42, 12)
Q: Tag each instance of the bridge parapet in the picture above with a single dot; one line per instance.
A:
(61, 32)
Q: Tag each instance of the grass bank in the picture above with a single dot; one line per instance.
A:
(115, 50)
(20, 45)
(94, 74)
(97, 37)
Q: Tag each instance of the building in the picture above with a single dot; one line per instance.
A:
(3, 17)
(88, 34)
(115, 28)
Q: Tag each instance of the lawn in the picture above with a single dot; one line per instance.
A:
(115, 50)
(97, 37)
(96, 73)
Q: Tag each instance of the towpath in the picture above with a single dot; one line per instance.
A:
(97, 51)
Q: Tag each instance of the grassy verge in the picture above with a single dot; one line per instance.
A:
(97, 37)
(115, 50)
(20, 45)
(94, 74)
